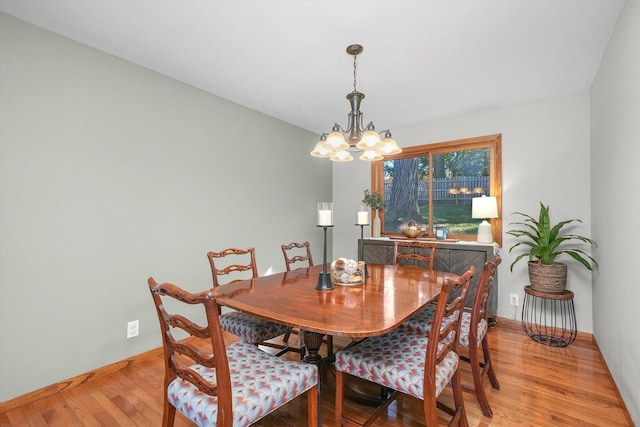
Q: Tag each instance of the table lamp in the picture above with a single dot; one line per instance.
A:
(484, 207)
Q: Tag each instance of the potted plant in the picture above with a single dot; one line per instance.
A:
(375, 202)
(545, 242)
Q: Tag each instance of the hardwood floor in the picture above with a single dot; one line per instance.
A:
(540, 386)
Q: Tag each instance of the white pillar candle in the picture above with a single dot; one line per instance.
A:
(324, 217)
(325, 213)
(362, 214)
(363, 218)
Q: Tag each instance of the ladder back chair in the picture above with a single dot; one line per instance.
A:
(413, 362)
(473, 335)
(297, 255)
(214, 385)
(296, 252)
(249, 328)
(414, 253)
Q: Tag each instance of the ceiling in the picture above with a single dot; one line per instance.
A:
(286, 58)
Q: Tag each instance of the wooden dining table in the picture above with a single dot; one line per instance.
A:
(389, 295)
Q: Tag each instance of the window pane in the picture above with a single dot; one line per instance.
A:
(458, 177)
(406, 190)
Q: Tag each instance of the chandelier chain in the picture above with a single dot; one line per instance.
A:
(355, 66)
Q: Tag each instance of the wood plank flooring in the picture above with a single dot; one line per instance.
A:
(540, 386)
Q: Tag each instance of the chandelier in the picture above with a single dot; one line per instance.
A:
(340, 143)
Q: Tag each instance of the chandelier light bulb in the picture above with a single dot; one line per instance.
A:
(341, 156)
(390, 147)
(336, 141)
(370, 141)
(370, 155)
(320, 150)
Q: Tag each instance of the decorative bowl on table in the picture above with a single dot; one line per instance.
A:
(412, 230)
(412, 233)
(347, 272)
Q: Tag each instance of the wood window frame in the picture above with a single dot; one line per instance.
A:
(493, 142)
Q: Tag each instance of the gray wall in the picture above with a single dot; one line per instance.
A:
(110, 173)
(615, 151)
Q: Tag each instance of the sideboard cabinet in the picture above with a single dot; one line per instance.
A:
(455, 257)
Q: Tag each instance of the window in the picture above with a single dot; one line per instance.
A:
(433, 185)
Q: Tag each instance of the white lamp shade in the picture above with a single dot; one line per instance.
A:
(335, 142)
(370, 140)
(371, 155)
(341, 156)
(390, 147)
(321, 151)
(484, 207)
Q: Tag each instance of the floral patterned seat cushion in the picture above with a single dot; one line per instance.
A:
(395, 360)
(422, 320)
(260, 383)
(250, 328)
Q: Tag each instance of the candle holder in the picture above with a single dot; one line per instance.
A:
(324, 278)
(362, 219)
(325, 220)
(361, 249)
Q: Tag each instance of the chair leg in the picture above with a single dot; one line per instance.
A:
(313, 408)
(286, 337)
(430, 411)
(488, 363)
(329, 345)
(339, 397)
(169, 413)
(476, 371)
(458, 400)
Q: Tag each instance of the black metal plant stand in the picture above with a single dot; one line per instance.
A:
(549, 318)
(361, 248)
(324, 278)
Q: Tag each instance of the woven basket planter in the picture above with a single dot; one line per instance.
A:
(548, 278)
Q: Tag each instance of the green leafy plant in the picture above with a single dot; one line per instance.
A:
(546, 242)
(373, 200)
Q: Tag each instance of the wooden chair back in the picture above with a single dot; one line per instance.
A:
(479, 309)
(292, 254)
(238, 261)
(414, 253)
(180, 354)
(444, 339)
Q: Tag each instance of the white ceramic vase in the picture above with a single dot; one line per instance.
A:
(376, 226)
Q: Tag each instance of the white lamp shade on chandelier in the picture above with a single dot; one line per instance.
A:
(340, 143)
(484, 208)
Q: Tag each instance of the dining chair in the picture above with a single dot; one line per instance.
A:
(296, 252)
(214, 385)
(473, 334)
(414, 253)
(411, 361)
(297, 255)
(250, 328)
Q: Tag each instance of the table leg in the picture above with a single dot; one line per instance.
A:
(313, 341)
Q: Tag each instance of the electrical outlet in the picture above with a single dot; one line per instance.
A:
(513, 299)
(133, 328)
